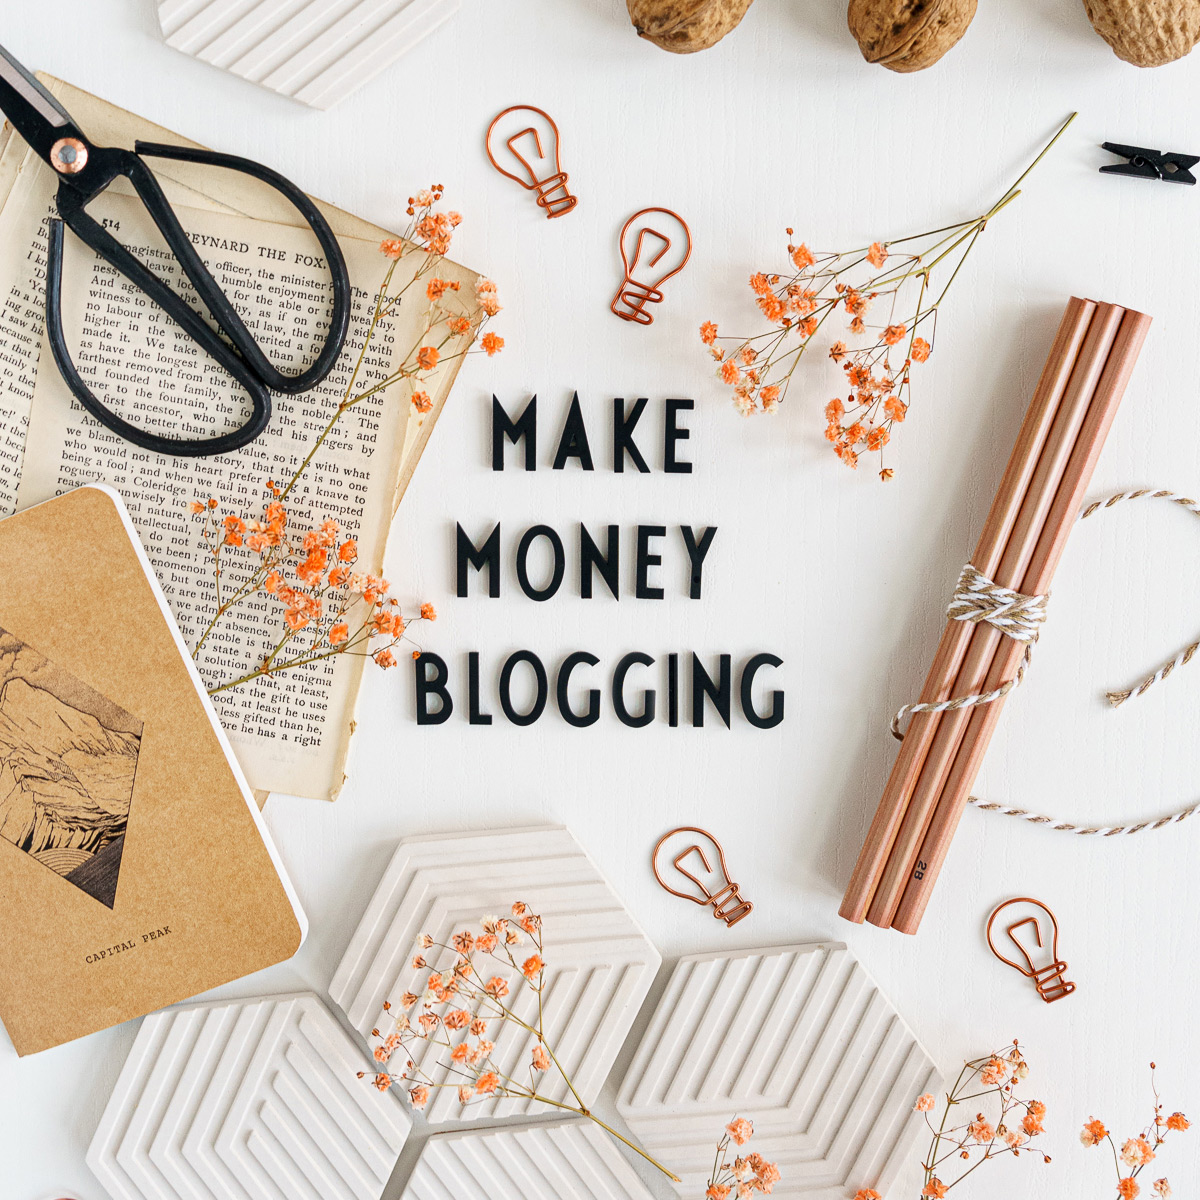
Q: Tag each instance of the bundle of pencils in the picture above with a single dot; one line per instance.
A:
(1022, 541)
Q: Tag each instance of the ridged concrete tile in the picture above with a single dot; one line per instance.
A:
(247, 1100)
(599, 964)
(799, 1040)
(563, 1160)
(315, 51)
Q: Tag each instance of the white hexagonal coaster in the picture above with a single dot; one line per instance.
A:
(799, 1040)
(562, 1160)
(316, 51)
(247, 1100)
(599, 964)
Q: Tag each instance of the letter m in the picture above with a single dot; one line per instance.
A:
(487, 555)
(524, 427)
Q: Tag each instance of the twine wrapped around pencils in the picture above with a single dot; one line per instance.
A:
(977, 599)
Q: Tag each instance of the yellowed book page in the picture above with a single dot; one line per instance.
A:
(222, 191)
(289, 730)
(28, 187)
(106, 124)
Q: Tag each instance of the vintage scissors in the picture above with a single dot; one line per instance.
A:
(84, 171)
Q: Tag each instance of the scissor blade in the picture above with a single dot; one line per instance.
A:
(34, 113)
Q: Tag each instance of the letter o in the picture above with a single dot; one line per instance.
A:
(560, 562)
(539, 674)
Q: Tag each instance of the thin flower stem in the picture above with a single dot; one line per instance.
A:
(591, 1116)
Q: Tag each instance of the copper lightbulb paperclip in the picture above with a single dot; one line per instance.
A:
(707, 875)
(646, 252)
(536, 157)
(1048, 978)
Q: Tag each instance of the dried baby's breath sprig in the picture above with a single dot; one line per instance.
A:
(461, 1004)
(1139, 1151)
(747, 1174)
(329, 608)
(1008, 1128)
(901, 282)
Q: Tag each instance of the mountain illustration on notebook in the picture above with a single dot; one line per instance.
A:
(68, 756)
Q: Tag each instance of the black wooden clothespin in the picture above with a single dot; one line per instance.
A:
(1150, 164)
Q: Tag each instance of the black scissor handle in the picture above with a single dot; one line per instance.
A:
(214, 298)
(122, 260)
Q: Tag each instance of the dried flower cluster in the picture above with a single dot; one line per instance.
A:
(1007, 1129)
(893, 278)
(460, 1004)
(1137, 1152)
(746, 1174)
(327, 606)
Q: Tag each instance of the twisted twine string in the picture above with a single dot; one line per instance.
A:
(980, 601)
(977, 599)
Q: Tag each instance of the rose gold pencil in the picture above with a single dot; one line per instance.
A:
(1051, 544)
(984, 639)
(957, 635)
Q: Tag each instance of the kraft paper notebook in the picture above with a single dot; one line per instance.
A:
(48, 445)
(135, 870)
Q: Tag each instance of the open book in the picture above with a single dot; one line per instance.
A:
(290, 732)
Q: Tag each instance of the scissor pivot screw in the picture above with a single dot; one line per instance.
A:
(68, 156)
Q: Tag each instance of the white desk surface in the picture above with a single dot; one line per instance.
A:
(843, 577)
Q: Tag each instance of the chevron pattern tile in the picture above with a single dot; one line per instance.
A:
(599, 963)
(247, 1100)
(316, 51)
(563, 1160)
(801, 1041)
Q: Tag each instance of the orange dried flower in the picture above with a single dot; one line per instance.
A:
(339, 633)
(427, 357)
(1178, 1121)
(391, 247)
(384, 658)
(492, 343)
(894, 334)
(541, 1060)
(708, 333)
(1137, 1152)
(421, 402)
(740, 1130)
(920, 350)
(802, 257)
(877, 255)
(487, 1083)
(428, 612)
(935, 1189)
(1127, 1188)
